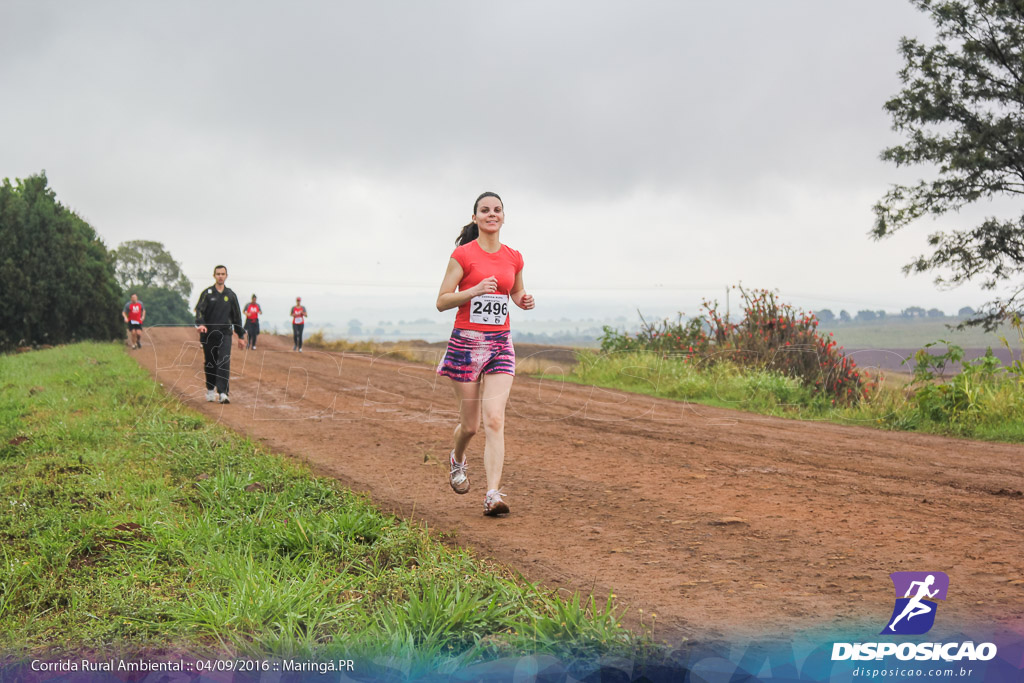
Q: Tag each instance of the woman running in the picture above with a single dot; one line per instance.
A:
(252, 323)
(483, 274)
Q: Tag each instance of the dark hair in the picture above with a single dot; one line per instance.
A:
(253, 296)
(470, 231)
(221, 266)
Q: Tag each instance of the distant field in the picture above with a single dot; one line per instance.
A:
(916, 333)
(882, 345)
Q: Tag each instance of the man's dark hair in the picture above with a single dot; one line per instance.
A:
(215, 268)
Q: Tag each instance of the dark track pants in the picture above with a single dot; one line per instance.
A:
(217, 359)
(297, 335)
(252, 330)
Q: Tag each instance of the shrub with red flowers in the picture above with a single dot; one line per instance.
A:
(771, 335)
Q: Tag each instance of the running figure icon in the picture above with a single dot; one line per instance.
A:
(917, 601)
(916, 606)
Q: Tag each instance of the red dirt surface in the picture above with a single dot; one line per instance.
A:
(723, 524)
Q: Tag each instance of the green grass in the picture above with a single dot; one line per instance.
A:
(722, 384)
(129, 523)
(990, 409)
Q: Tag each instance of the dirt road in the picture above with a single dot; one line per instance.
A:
(721, 523)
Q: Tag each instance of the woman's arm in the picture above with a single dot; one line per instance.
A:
(448, 298)
(519, 296)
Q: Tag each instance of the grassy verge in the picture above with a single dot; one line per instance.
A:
(535, 363)
(399, 350)
(991, 410)
(131, 524)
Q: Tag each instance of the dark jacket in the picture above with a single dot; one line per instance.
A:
(219, 310)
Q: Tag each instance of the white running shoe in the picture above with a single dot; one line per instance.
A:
(458, 477)
(211, 395)
(223, 398)
(494, 505)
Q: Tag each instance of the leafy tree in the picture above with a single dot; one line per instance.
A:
(965, 312)
(164, 307)
(844, 317)
(935, 313)
(962, 111)
(866, 316)
(55, 272)
(825, 315)
(913, 312)
(148, 269)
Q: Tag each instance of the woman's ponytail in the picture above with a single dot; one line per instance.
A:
(470, 231)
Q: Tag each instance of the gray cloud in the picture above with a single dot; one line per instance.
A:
(587, 97)
(243, 129)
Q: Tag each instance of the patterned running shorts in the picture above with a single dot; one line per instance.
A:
(472, 353)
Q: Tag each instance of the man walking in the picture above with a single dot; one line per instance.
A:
(252, 323)
(134, 315)
(217, 314)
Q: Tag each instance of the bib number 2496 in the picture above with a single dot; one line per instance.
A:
(489, 309)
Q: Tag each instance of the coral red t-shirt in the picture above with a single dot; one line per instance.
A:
(487, 313)
(134, 311)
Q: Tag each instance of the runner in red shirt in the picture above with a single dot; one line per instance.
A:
(483, 276)
(298, 315)
(134, 315)
(252, 323)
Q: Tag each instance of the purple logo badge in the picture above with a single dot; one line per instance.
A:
(916, 595)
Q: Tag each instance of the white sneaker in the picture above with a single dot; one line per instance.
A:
(494, 505)
(458, 475)
(211, 395)
(224, 398)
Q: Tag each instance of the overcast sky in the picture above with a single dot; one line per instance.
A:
(648, 153)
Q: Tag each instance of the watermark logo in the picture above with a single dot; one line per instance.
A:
(916, 596)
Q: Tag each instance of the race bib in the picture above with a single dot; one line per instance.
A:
(488, 309)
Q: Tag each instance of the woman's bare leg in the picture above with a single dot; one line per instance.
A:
(492, 403)
(468, 397)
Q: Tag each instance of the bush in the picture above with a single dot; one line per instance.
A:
(771, 336)
(983, 391)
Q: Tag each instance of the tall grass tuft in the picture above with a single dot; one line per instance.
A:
(982, 402)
